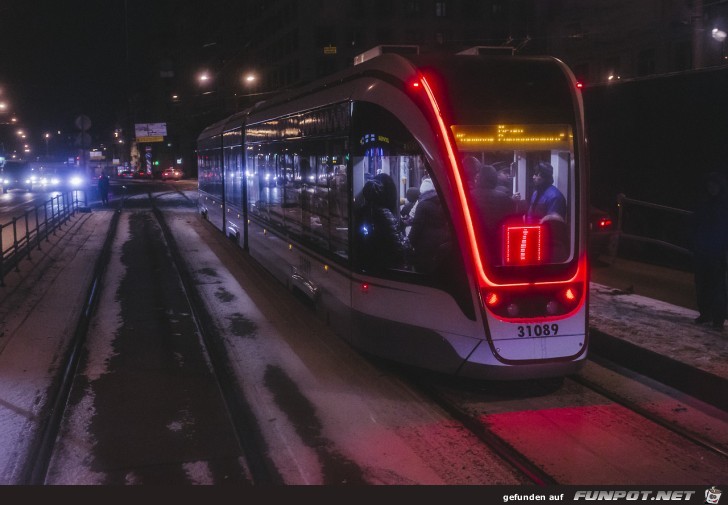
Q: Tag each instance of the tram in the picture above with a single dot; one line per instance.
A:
(474, 282)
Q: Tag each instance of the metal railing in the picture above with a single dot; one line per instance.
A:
(25, 233)
(668, 228)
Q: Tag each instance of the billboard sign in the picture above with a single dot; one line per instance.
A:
(150, 131)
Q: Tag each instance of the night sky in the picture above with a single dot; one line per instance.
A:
(60, 59)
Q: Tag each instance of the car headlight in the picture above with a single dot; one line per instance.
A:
(75, 181)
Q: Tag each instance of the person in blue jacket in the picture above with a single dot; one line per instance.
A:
(546, 199)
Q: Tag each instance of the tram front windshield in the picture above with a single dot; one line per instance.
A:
(520, 185)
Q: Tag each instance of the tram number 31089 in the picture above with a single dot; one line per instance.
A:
(538, 330)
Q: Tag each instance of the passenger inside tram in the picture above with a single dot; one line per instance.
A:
(380, 242)
(493, 205)
(430, 232)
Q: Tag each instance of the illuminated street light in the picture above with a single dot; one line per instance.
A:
(718, 34)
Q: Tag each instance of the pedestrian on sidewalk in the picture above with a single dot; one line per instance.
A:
(104, 189)
(710, 225)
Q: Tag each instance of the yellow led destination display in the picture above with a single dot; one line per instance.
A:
(502, 136)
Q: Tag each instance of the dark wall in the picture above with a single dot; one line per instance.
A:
(653, 139)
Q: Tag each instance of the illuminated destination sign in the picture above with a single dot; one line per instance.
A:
(523, 245)
(502, 136)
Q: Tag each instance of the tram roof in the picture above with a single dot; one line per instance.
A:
(398, 67)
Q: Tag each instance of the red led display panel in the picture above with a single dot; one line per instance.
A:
(524, 244)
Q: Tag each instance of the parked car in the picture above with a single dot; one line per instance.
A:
(602, 233)
(171, 173)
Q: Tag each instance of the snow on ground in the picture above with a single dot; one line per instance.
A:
(661, 327)
(362, 414)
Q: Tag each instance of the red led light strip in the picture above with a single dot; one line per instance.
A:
(484, 280)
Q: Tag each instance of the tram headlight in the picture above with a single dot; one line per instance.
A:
(553, 307)
(75, 181)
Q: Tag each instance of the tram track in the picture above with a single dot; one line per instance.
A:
(635, 407)
(529, 469)
(540, 470)
(473, 410)
(262, 471)
(259, 468)
(40, 454)
(38, 461)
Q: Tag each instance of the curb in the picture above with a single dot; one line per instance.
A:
(700, 384)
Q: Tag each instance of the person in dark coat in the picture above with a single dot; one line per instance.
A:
(103, 185)
(430, 233)
(412, 195)
(710, 247)
(546, 198)
(389, 198)
(379, 241)
(492, 206)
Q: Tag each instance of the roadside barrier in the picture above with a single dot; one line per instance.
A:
(654, 233)
(25, 233)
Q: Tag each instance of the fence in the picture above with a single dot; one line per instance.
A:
(25, 233)
(661, 231)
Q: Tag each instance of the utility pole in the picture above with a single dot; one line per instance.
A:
(698, 34)
(129, 137)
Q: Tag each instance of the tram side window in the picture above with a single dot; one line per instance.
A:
(302, 188)
(233, 171)
(210, 171)
(323, 194)
(264, 183)
(391, 237)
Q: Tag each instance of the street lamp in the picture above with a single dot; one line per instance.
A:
(204, 78)
(46, 137)
(720, 36)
